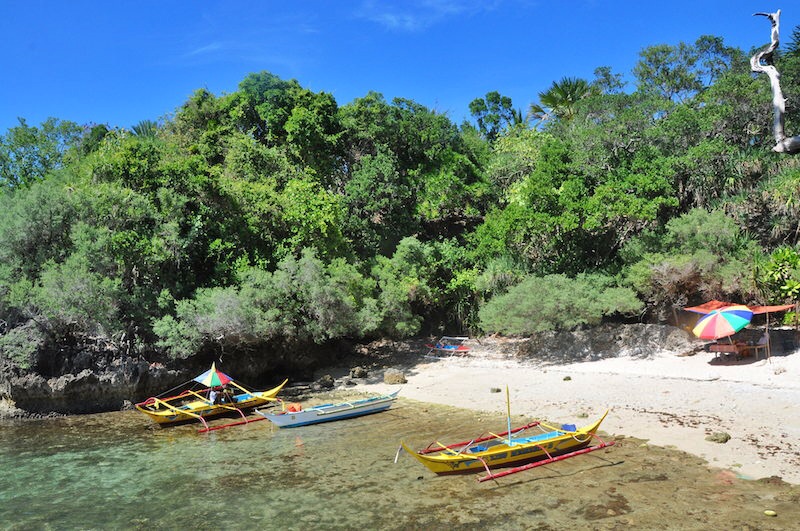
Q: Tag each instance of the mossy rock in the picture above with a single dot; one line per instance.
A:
(719, 437)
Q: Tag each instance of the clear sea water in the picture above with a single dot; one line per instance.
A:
(118, 471)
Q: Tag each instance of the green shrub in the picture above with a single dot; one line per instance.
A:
(556, 302)
(20, 345)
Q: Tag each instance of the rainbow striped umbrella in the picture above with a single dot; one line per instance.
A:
(213, 377)
(723, 322)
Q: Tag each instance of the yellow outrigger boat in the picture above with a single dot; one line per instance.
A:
(200, 404)
(509, 449)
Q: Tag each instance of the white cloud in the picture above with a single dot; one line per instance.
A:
(417, 15)
(212, 48)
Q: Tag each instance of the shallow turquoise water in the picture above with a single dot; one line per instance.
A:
(119, 471)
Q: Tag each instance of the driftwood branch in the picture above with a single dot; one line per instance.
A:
(762, 63)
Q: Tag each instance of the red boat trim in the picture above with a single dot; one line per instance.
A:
(522, 468)
(237, 423)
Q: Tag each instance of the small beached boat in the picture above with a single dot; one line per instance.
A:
(510, 448)
(205, 398)
(447, 345)
(295, 415)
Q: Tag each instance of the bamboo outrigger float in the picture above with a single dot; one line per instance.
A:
(201, 404)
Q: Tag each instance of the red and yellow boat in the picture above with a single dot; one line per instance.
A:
(513, 448)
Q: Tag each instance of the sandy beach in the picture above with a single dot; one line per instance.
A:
(667, 399)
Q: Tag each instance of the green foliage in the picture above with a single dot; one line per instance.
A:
(313, 217)
(272, 215)
(21, 344)
(499, 275)
(679, 72)
(493, 114)
(146, 129)
(700, 255)
(29, 153)
(72, 298)
(561, 216)
(130, 159)
(377, 198)
(606, 81)
(515, 156)
(453, 190)
(699, 230)
(560, 100)
(775, 216)
(556, 302)
(405, 286)
(778, 276)
(202, 124)
(302, 300)
(92, 138)
(35, 225)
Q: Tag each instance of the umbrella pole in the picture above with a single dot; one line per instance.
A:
(769, 347)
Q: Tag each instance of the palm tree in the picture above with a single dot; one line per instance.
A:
(146, 129)
(560, 99)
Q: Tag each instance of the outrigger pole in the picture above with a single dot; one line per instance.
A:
(158, 401)
(550, 459)
(237, 423)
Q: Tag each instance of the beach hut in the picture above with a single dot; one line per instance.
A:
(714, 305)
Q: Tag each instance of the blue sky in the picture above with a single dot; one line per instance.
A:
(119, 62)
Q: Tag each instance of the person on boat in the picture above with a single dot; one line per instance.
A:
(213, 396)
(227, 395)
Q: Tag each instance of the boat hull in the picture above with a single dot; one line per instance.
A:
(330, 412)
(497, 453)
(161, 413)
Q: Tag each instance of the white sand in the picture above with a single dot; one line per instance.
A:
(666, 399)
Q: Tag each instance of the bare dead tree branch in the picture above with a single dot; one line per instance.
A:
(762, 63)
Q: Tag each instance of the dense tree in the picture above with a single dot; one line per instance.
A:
(302, 301)
(494, 113)
(607, 81)
(679, 72)
(272, 215)
(28, 153)
(698, 256)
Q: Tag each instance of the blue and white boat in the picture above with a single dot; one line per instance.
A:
(295, 415)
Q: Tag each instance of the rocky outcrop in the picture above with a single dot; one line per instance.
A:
(96, 377)
(607, 341)
(87, 391)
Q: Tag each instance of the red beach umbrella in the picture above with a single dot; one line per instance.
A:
(723, 322)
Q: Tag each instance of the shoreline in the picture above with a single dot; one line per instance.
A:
(669, 400)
